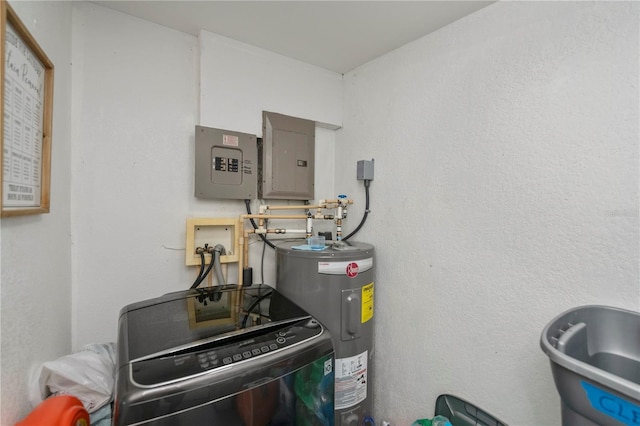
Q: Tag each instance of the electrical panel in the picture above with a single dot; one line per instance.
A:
(226, 164)
(287, 158)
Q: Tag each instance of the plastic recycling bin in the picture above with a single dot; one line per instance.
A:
(595, 361)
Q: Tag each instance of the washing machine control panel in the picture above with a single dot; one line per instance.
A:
(221, 353)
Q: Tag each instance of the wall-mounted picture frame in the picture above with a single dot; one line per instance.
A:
(26, 115)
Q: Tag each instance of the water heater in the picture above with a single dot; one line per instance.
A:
(336, 286)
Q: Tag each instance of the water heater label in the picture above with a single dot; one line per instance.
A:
(350, 268)
(351, 380)
(367, 302)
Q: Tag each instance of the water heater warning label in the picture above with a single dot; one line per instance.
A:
(367, 302)
(351, 380)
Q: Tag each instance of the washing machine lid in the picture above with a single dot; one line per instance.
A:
(177, 321)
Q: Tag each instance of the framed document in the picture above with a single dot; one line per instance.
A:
(26, 119)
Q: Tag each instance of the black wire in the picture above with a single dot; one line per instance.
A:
(201, 270)
(264, 246)
(366, 212)
(247, 203)
(253, 306)
(202, 277)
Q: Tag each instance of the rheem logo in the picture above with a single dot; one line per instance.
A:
(352, 270)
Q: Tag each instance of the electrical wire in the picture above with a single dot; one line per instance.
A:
(247, 203)
(264, 246)
(366, 211)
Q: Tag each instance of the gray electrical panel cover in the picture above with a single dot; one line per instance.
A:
(287, 157)
(226, 164)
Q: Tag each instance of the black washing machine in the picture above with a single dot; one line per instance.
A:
(227, 356)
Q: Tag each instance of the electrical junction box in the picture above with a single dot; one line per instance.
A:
(226, 164)
(364, 170)
(287, 158)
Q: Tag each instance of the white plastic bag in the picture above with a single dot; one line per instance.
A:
(88, 375)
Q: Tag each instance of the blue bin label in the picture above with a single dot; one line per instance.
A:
(612, 405)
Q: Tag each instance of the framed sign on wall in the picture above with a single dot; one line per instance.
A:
(26, 116)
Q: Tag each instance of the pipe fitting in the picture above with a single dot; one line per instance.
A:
(219, 248)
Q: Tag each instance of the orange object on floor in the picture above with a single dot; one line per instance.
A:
(61, 410)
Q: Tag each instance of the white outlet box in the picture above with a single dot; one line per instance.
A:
(212, 231)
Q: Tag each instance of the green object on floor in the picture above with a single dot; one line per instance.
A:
(436, 421)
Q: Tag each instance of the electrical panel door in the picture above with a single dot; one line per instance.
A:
(287, 157)
(226, 164)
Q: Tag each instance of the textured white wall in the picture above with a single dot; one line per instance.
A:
(134, 108)
(36, 252)
(136, 98)
(239, 81)
(505, 191)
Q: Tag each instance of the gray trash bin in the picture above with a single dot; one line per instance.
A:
(595, 361)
